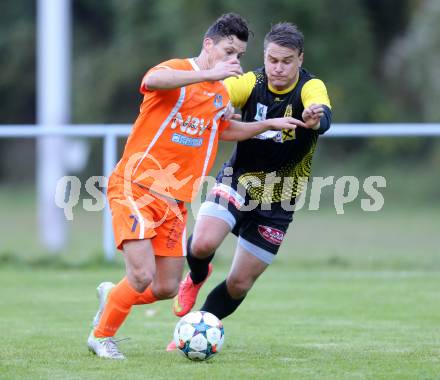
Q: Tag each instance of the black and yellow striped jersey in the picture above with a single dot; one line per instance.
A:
(284, 155)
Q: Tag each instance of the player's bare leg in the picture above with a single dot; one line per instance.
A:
(140, 263)
(245, 270)
(168, 275)
(225, 298)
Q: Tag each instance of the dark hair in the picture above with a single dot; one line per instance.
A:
(287, 35)
(229, 24)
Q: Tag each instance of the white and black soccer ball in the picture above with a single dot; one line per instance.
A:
(199, 335)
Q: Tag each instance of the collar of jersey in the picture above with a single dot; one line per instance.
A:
(193, 63)
(281, 92)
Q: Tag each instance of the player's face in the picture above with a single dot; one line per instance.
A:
(282, 65)
(225, 49)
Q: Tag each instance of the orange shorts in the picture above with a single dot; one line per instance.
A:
(138, 214)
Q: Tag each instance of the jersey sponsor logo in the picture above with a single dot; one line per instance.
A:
(270, 234)
(261, 113)
(188, 141)
(288, 134)
(229, 194)
(277, 136)
(218, 101)
(191, 125)
(269, 135)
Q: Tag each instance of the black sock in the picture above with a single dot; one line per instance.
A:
(198, 267)
(220, 303)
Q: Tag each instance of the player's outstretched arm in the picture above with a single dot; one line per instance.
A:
(167, 79)
(317, 117)
(238, 131)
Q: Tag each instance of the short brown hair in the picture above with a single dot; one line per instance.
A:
(287, 35)
(229, 24)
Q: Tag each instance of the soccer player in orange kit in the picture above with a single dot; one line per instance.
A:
(172, 146)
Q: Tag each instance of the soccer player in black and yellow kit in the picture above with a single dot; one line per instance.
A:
(262, 176)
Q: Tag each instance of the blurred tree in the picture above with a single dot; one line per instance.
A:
(413, 65)
(411, 71)
(17, 85)
(17, 60)
(388, 19)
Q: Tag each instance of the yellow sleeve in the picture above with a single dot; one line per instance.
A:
(314, 91)
(239, 89)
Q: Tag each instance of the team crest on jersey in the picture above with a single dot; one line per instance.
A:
(218, 101)
(270, 234)
(260, 115)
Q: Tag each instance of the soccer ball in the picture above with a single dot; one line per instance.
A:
(199, 335)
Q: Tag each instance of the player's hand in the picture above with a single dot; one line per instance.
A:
(281, 123)
(225, 69)
(312, 115)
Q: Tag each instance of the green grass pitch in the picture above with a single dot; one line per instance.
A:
(307, 324)
(355, 296)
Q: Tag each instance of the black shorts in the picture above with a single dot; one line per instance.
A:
(260, 229)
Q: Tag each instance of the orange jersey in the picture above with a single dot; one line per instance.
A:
(174, 140)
